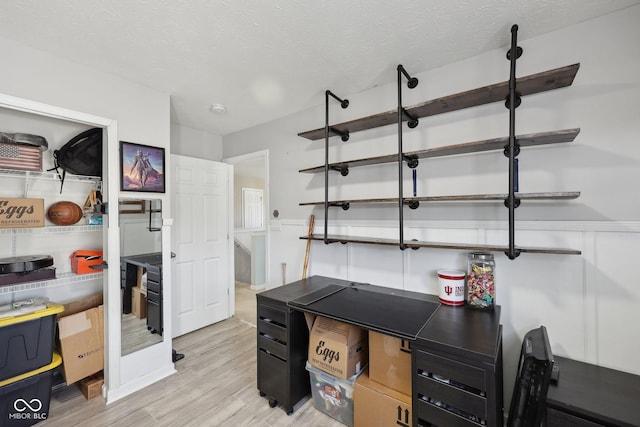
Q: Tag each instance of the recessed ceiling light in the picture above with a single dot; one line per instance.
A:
(217, 108)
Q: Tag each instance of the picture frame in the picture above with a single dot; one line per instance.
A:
(141, 168)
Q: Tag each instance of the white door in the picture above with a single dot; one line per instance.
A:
(252, 211)
(202, 279)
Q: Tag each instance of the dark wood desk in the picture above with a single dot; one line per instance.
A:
(459, 343)
(590, 395)
(152, 263)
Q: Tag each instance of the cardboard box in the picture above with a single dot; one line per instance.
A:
(92, 386)
(337, 348)
(83, 304)
(82, 343)
(390, 362)
(138, 303)
(82, 260)
(21, 213)
(378, 406)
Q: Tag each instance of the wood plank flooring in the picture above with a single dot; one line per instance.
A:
(215, 386)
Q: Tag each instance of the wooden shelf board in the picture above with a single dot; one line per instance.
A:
(565, 195)
(526, 140)
(534, 83)
(439, 245)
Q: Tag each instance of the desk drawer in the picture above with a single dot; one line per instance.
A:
(466, 401)
(557, 418)
(273, 347)
(273, 376)
(271, 329)
(153, 274)
(450, 369)
(432, 414)
(272, 314)
(153, 286)
(153, 297)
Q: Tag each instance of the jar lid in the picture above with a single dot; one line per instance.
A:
(481, 256)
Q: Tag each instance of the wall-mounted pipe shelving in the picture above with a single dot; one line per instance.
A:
(510, 92)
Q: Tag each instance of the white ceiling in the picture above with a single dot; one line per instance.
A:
(267, 59)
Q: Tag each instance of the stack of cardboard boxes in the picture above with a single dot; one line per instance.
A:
(360, 378)
(382, 395)
(81, 343)
(338, 353)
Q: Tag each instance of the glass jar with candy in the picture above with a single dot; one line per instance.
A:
(480, 287)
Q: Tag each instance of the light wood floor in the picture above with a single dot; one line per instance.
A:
(215, 386)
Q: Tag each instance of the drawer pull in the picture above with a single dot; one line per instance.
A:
(452, 410)
(452, 383)
(269, 337)
(272, 355)
(268, 320)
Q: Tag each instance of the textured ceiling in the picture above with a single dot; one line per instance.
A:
(266, 59)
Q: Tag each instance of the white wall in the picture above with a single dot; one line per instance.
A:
(186, 141)
(589, 302)
(143, 116)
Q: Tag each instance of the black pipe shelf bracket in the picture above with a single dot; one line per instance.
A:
(344, 103)
(412, 82)
(412, 161)
(513, 148)
(344, 170)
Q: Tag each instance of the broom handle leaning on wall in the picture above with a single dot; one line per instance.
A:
(306, 255)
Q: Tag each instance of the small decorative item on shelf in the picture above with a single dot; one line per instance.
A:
(480, 286)
(21, 213)
(22, 151)
(86, 261)
(64, 213)
(451, 287)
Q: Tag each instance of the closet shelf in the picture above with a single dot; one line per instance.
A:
(52, 229)
(8, 173)
(566, 195)
(528, 140)
(61, 279)
(534, 83)
(415, 244)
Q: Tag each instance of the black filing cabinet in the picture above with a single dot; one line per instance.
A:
(152, 264)
(154, 298)
(457, 369)
(283, 337)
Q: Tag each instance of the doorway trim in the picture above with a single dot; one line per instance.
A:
(251, 157)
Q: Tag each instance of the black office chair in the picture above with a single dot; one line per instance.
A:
(535, 368)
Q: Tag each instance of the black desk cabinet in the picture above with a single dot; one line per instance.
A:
(154, 298)
(459, 344)
(152, 263)
(457, 366)
(590, 395)
(282, 345)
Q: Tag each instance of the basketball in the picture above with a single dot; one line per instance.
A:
(64, 213)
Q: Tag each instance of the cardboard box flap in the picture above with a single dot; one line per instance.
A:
(76, 323)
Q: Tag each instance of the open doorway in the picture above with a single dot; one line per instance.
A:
(251, 235)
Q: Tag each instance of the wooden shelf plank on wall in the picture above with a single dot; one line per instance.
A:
(439, 245)
(565, 195)
(527, 140)
(534, 83)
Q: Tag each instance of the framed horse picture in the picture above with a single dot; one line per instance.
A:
(141, 168)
